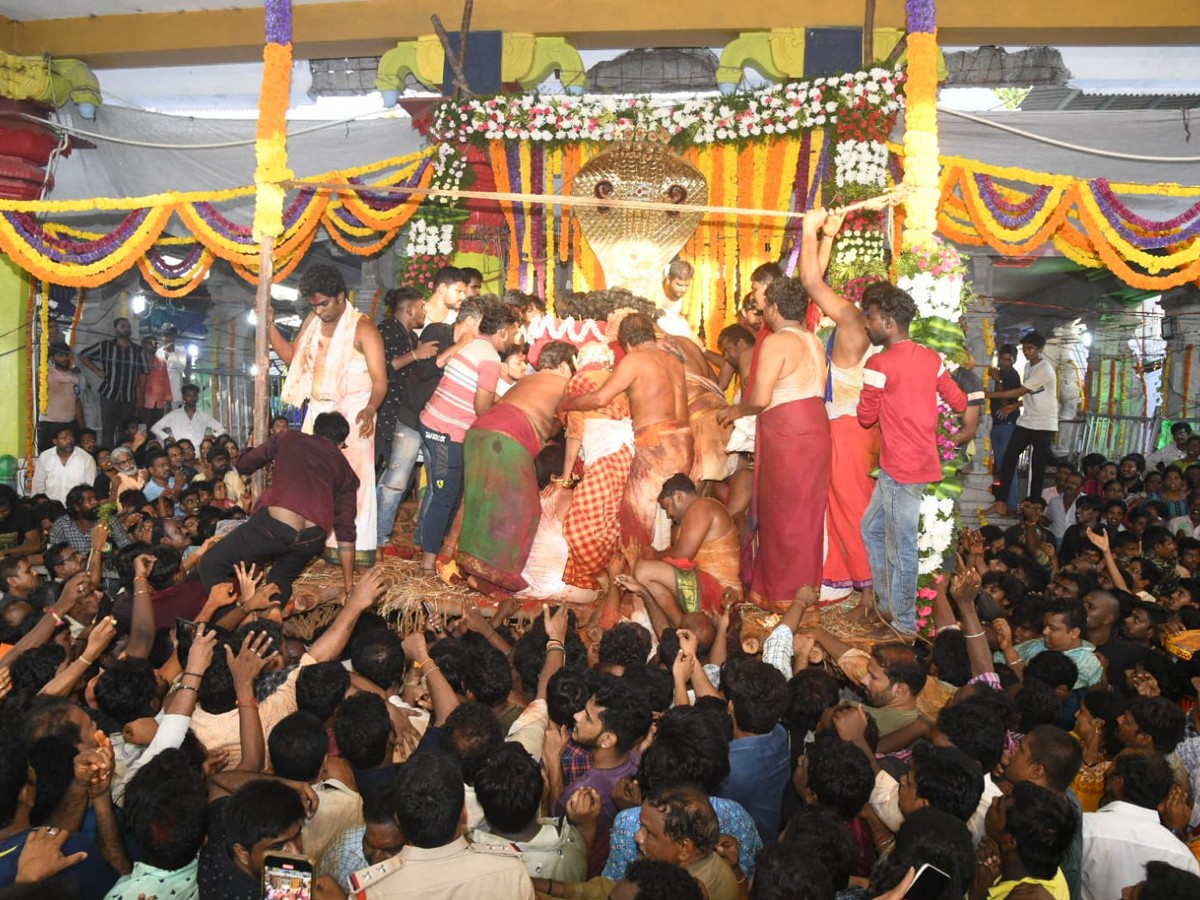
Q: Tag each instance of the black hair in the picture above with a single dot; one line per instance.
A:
(687, 816)
(811, 691)
(451, 659)
(626, 711)
(1054, 668)
(1165, 881)
(625, 644)
(166, 810)
(322, 279)
(766, 273)
(950, 657)
(495, 316)
(509, 787)
(1163, 720)
(429, 798)
(789, 297)
(893, 303)
(448, 275)
(947, 778)
(14, 773)
(687, 749)
(471, 732)
(489, 676)
(824, 834)
(635, 329)
(321, 687)
(1038, 703)
(899, 662)
(1009, 349)
(74, 496)
(783, 874)
(1073, 612)
(298, 745)
(972, 727)
(126, 690)
(840, 775)
(1059, 754)
(362, 728)
(930, 836)
(759, 695)
(1032, 337)
(378, 657)
(1106, 705)
(678, 483)
(53, 762)
(401, 296)
(261, 809)
(662, 881)
(1043, 824)
(1146, 777)
(735, 333)
(555, 353)
(567, 693)
(332, 426)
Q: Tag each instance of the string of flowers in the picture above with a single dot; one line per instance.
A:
(776, 110)
(270, 145)
(430, 234)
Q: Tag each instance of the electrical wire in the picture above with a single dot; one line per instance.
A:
(1066, 145)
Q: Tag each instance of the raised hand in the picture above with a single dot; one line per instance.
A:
(99, 536)
(556, 622)
(584, 806)
(200, 654)
(1004, 636)
(1100, 540)
(104, 631)
(249, 661)
(367, 590)
(850, 722)
(248, 580)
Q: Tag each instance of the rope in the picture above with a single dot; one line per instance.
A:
(1109, 154)
(890, 197)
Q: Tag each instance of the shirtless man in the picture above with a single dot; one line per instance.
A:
(737, 349)
(705, 401)
(501, 501)
(702, 562)
(653, 379)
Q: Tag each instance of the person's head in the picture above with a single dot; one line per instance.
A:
(191, 395)
(838, 776)
(1180, 432)
(1063, 624)
(297, 745)
(263, 817)
(894, 676)
(1143, 622)
(450, 286)
(64, 440)
(166, 810)
(17, 576)
(127, 690)
(949, 657)
(787, 301)
(760, 280)
(825, 835)
(758, 697)
(650, 880)
(1152, 723)
(407, 306)
(555, 356)
(973, 726)
(60, 354)
(363, 731)
(567, 692)
(474, 280)
(333, 427)
(930, 836)
(733, 341)
(378, 657)
(687, 749)
(87, 440)
(279, 424)
(888, 311)
(1006, 356)
(321, 687)
(626, 645)
(1032, 345)
(1139, 776)
(1163, 882)
(62, 560)
(1047, 756)
(677, 496)
(471, 733)
(509, 787)
(614, 719)
(677, 825)
(382, 838)
(1036, 823)
(782, 873)
(942, 777)
(679, 279)
(325, 290)
(429, 797)
(122, 327)
(1100, 709)
(635, 330)
(498, 323)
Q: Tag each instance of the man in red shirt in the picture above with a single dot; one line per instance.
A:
(901, 386)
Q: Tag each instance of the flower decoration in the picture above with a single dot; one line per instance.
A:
(419, 270)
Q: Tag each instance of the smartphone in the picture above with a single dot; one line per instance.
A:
(185, 632)
(429, 610)
(105, 607)
(928, 885)
(142, 427)
(287, 877)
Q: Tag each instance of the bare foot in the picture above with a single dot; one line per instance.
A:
(864, 612)
(999, 508)
(632, 585)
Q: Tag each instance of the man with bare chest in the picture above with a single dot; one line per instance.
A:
(501, 501)
(654, 381)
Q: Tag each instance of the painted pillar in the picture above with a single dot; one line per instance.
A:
(14, 357)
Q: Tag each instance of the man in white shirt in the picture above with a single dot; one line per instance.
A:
(1061, 508)
(176, 359)
(1173, 452)
(1189, 525)
(1037, 424)
(187, 422)
(1125, 833)
(63, 466)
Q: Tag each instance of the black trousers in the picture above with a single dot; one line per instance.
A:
(1022, 438)
(264, 540)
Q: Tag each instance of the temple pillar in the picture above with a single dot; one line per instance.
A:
(14, 357)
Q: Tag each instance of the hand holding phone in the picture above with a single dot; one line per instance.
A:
(928, 885)
(287, 877)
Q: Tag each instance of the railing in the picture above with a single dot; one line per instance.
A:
(1114, 436)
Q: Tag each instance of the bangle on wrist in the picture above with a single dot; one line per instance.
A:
(193, 674)
(188, 687)
(87, 662)
(976, 635)
(247, 704)
(52, 613)
(430, 667)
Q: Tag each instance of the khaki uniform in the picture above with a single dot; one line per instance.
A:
(456, 871)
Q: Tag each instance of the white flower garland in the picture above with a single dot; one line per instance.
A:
(935, 532)
(777, 109)
(939, 296)
(429, 238)
(860, 162)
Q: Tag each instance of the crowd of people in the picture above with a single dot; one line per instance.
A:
(668, 718)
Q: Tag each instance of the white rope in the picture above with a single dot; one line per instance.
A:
(1110, 154)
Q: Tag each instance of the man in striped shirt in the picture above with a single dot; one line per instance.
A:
(467, 390)
(118, 362)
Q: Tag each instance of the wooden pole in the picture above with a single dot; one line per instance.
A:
(868, 40)
(262, 355)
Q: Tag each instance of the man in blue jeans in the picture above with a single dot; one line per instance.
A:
(901, 387)
(398, 426)
(1004, 377)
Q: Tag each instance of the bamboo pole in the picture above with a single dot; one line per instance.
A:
(262, 328)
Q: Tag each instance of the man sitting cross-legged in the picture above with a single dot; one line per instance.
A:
(701, 564)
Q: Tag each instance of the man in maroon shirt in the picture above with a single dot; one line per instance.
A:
(901, 386)
(313, 491)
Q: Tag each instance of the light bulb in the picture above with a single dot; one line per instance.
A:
(138, 304)
(252, 317)
(193, 351)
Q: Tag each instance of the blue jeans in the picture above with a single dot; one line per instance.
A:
(889, 530)
(1002, 433)
(444, 472)
(393, 485)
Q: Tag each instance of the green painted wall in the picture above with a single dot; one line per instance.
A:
(14, 368)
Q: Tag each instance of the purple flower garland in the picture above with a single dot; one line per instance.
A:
(279, 22)
(1103, 193)
(65, 249)
(1011, 215)
(921, 16)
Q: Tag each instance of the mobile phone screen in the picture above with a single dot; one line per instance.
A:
(287, 878)
(928, 885)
